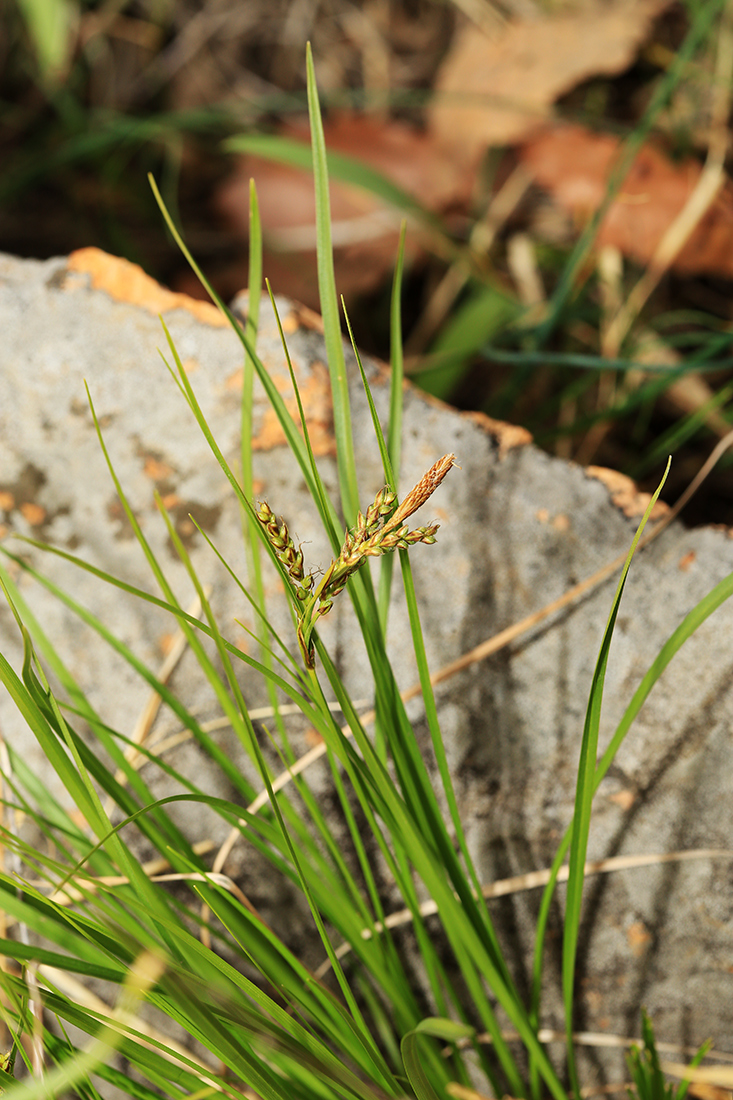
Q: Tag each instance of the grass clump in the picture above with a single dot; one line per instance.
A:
(258, 1023)
(646, 1070)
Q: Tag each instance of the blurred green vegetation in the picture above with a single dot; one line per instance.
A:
(95, 95)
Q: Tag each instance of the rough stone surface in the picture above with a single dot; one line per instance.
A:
(517, 529)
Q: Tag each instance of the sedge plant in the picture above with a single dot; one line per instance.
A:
(257, 1022)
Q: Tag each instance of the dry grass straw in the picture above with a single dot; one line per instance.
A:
(708, 185)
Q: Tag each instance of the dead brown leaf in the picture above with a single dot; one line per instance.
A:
(365, 231)
(494, 90)
(573, 165)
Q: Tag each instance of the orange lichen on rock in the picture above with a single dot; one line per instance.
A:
(127, 282)
(625, 494)
(508, 436)
(315, 395)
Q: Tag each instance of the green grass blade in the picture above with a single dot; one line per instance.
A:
(285, 150)
(250, 329)
(276, 401)
(585, 789)
(378, 433)
(329, 307)
(692, 621)
(413, 1057)
(396, 398)
(484, 313)
(684, 1085)
(250, 525)
(431, 715)
(326, 508)
(684, 429)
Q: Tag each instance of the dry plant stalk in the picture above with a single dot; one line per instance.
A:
(700, 199)
(380, 531)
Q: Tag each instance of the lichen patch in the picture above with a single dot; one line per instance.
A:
(315, 395)
(127, 282)
(625, 494)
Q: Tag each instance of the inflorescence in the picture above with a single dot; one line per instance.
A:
(380, 531)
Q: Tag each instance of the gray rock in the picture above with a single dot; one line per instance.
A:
(518, 528)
